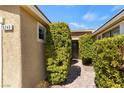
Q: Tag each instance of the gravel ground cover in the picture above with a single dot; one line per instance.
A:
(80, 76)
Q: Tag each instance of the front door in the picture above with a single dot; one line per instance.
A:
(75, 49)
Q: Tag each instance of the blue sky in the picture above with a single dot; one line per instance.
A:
(80, 17)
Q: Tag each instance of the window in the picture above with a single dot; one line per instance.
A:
(115, 31)
(41, 32)
(99, 37)
(107, 34)
(112, 32)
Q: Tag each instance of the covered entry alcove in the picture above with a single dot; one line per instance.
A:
(75, 46)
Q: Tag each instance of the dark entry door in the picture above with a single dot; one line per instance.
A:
(75, 49)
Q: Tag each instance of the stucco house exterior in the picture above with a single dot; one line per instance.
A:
(112, 27)
(22, 46)
(22, 37)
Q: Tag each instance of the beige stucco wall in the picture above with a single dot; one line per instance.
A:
(11, 47)
(33, 66)
(23, 54)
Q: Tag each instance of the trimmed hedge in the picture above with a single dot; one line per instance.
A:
(86, 48)
(58, 52)
(108, 59)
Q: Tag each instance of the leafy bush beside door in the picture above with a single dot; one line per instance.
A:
(85, 48)
(108, 59)
(58, 52)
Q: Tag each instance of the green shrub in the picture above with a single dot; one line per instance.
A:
(58, 52)
(85, 48)
(107, 60)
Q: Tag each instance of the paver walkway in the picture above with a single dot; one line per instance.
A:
(80, 76)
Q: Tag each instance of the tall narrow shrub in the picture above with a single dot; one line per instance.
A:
(86, 48)
(107, 61)
(58, 52)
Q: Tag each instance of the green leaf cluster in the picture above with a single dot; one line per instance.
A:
(86, 48)
(58, 52)
(107, 60)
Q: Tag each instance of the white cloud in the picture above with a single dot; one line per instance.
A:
(77, 25)
(117, 7)
(104, 17)
(89, 16)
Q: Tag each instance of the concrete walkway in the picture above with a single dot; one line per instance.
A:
(80, 76)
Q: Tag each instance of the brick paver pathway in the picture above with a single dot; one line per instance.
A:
(80, 76)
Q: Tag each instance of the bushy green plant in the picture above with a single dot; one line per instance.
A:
(107, 59)
(58, 52)
(85, 48)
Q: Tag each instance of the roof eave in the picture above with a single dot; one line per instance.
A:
(42, 13)
(36, 11)
(113, 19)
